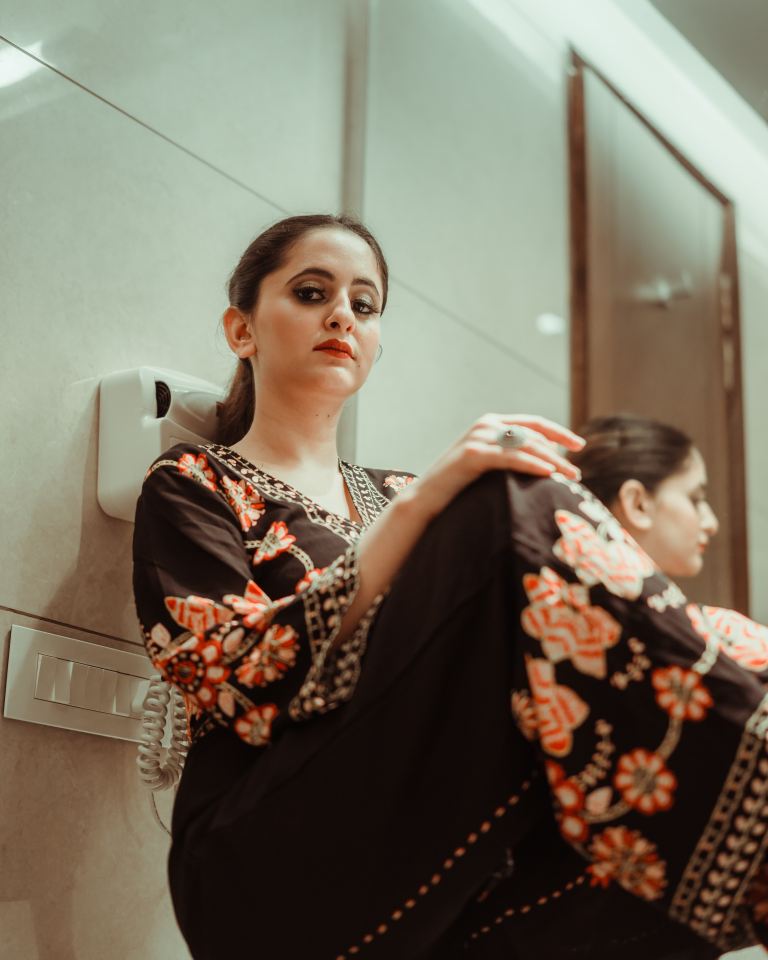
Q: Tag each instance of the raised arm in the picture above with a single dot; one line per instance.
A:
(386, 544)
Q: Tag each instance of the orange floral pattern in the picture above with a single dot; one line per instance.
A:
(645, 782)
(626, 857)
(196, 467)
(244, 500)
(196, 667)
(309, 578)
(270, 658)
(397, 482)
(558, 709)
(253, 606)
(569, 797)
(740, 638)
(197, 614)
(255, 726)
(568, 627)
(619, 566)
(524, 713)
(277, 540)
(681, 693)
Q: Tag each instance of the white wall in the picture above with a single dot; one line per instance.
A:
(465, 186)
(139, 153)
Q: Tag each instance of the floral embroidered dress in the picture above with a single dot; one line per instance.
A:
(543, 749)
(239, 614)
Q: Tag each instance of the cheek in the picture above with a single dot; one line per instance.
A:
(368, 339)
(682, 526)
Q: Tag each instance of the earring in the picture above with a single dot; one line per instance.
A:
(379, 353)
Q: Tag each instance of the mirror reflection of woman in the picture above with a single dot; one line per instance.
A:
(349, 641)
(654, 479)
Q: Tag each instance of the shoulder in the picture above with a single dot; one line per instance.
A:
(189, 460)
(200, 473)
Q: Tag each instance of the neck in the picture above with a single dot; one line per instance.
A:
(290, 433)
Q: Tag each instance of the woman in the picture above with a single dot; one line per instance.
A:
(275, 584)
(654, 480)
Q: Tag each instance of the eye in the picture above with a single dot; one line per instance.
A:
(309, 294)
(364, 307)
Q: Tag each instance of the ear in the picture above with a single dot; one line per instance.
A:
(636, 506)
(237, 329)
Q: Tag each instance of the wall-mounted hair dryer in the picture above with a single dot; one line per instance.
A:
(141, 413)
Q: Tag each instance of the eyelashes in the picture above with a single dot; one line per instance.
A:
(310, 294)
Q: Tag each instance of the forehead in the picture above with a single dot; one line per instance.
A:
(333, 249)
(693, 473)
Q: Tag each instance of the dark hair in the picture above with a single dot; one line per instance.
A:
(624, 448)
(264, 255)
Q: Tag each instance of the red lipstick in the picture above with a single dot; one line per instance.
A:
(337, 348)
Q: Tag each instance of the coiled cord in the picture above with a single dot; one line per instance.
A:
(160, 769)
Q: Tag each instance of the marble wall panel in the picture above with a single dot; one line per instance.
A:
(253, 87)
(435, 377)
(465, 168)
(115, 250)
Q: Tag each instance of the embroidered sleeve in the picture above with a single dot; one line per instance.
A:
(239, 656)
(650, 716)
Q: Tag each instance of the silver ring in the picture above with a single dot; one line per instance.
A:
(512, 438)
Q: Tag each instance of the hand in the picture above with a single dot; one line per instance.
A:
(479, 451)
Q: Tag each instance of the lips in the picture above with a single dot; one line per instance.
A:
(337, 348)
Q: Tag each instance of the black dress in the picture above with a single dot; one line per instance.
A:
(540, 748)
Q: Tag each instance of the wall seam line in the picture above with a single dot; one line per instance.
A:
(70, 626)
(142, 123)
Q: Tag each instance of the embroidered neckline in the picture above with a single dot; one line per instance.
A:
(225, 454)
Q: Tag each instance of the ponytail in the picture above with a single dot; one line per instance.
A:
(236, 410)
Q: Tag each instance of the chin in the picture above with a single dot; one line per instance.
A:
(687, 568)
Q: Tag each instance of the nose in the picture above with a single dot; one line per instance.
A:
(342, 317)
(709, 522)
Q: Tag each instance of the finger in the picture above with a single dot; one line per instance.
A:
(536, 445)
(522, 462)
(545, 452)
(547, 428)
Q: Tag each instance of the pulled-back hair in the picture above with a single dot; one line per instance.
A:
(263, 256)
(625, 448)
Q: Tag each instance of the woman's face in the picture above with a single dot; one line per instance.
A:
(680, 521)
(316, 321)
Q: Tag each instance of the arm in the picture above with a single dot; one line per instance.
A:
(239, 656)
(385, 545)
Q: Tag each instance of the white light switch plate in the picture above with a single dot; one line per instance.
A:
(61, 682)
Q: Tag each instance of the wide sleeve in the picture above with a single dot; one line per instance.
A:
(242, 659)
(649, 715)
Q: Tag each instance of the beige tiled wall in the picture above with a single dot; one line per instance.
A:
(465, 185)
(133, 176)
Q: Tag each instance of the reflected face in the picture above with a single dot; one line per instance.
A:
(682, 521)
(316, 321)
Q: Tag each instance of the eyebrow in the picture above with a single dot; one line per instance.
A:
(320, 272)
